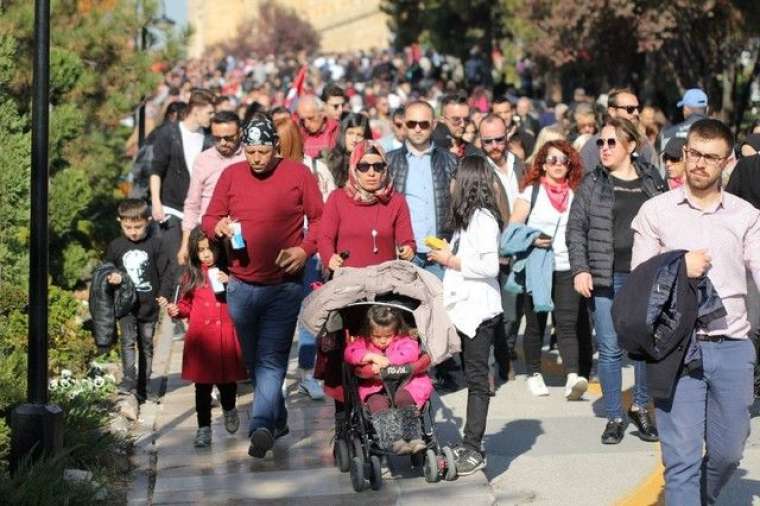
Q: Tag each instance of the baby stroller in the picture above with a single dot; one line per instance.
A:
(356, 446)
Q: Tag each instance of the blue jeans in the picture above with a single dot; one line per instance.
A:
(709, 407)
(420, 260)
(611, 355)
(265, 318)
(307, 342)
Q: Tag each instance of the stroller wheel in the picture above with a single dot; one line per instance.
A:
(342, 457)
(451, 464)
(431, 467)
(418, 459)
(357, 474)
(376, 476)
(357, 448)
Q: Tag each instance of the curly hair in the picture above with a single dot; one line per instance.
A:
(473, 190)
(574, 164)
(193, 276)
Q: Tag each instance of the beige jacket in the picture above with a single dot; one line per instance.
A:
(438, 335)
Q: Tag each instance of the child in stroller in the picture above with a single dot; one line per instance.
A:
(391, 387)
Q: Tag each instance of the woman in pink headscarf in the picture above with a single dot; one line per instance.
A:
(366, 222)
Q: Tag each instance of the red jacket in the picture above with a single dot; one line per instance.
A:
(212, 352)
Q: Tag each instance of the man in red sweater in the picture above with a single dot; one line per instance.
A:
(266, 198)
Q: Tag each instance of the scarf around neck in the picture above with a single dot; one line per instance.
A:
(559, 194)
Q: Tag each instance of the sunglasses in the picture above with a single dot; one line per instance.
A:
(494, 140)
(398, 125)
(377, 167)
(630, 109)
(556, 160)
(225, 138)
(424, 125)
(611, 142)
(457, 120)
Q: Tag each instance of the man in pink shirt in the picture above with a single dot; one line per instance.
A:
(208, 166)
(710, 406)
(319, 132)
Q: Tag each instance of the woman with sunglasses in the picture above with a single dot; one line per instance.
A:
(368, 222)
(544, 204)
(599, 240)
(353, 129)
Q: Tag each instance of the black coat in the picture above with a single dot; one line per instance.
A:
(589, 227)
(108, 303)
(168, 163)
(655, 315)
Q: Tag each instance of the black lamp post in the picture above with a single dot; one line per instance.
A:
(37, 426)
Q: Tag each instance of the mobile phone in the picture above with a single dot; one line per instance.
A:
(545, 237)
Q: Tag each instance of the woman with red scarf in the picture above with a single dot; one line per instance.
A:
(544, 204)
(364, 223)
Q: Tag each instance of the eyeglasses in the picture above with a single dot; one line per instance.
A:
(424, 125)
(494, 140)
(398, 125)
(557, 160)
(457, 120)
(377, 167)
(611, 142)
(226, 138)
(630, 109)
(693, 156)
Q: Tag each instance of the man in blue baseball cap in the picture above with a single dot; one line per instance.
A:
(694, 107)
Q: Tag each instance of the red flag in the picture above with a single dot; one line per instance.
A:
(296, 88)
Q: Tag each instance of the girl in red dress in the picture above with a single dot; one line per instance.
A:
(212, 353)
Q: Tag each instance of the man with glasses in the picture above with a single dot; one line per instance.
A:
(449, 131)
(693, 104)
(320, 132)
(621, 103)
(396, 139)
(335, 101)
(208, 166)
(710, 404)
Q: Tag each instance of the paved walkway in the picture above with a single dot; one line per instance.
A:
(540, 451)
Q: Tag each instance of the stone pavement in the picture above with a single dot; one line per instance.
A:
(542, 451)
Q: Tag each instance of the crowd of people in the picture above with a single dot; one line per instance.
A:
(541, 211)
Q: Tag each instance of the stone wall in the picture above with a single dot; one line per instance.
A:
(342, 24)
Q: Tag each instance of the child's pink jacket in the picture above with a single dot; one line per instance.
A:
(402, 350)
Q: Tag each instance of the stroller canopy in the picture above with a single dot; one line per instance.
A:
(397, 283)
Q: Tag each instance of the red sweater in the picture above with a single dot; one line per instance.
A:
(347, 226)
(271, 210)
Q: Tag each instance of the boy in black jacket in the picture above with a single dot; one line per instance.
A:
(139, 253)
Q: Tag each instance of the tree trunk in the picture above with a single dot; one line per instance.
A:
(728, 82)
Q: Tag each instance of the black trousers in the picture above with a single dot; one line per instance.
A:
(227, 392)
(136, 340)
(566, 311)
(475, 353)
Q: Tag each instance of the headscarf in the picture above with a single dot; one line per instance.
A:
(259, 131)
(352, 187)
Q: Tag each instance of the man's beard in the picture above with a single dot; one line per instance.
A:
(496, 154)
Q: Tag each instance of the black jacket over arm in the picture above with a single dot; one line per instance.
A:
(656, 313)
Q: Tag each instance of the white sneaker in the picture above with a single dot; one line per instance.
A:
(310, 386)
(536, 385)
(575, 387)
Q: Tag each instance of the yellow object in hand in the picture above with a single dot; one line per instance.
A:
(433, 242)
